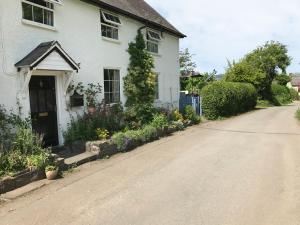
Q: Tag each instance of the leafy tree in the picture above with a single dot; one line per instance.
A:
(139, 84)
(283, 79)
(187, 66)
(195, 84)
(260, 67)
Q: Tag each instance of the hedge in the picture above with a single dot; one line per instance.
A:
(223, 99)
(281, 94)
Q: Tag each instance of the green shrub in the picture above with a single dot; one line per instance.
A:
(264, 104)
(190, 114)
(178, 125)
(139, 115)
(27, 142)
(280, 95)
(297, 114)
(149, 132)
(119, 139)
(176, 115)
(283, 79)
(223, 99)
(84, 128)
(294, 94)
(12, 162)
(40, 160)
(160, 121)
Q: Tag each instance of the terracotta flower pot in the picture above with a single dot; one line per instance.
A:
(51, 175)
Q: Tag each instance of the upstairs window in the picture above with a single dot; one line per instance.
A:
(110, 25)
(38, 11)
(153, 39)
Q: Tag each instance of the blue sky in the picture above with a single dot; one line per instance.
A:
(218, 30)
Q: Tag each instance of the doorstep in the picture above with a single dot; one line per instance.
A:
(80, 159)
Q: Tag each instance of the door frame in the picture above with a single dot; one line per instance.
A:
(60, 97)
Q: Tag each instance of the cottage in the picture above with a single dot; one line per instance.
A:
(46, 44)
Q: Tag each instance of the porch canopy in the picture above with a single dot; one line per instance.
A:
(48, 56)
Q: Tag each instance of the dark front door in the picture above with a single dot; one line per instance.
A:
(43, 108)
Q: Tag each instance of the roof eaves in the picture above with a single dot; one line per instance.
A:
(124, 12)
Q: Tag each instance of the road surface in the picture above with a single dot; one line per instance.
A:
(240, 171)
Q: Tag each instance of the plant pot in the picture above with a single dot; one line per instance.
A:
(91, 110)
(51, 175)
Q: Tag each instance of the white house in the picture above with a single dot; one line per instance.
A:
(45, 44)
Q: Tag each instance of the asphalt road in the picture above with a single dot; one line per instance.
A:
(240, 171)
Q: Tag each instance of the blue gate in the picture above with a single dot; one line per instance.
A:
(193, 100)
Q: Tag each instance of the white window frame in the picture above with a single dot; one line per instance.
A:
(41, 7)
(109, 21)
(54, 1)
(110, 24)
(153, 40)
(104, 92)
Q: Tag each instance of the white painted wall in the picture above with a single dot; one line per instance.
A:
(78, 30)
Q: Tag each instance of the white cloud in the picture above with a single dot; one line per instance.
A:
(218, 29)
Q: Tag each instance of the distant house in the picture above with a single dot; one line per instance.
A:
(295, 83)
(45, 44)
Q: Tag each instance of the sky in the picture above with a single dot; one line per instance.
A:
(218, 30)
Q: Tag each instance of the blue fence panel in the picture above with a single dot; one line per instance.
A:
(193, 100)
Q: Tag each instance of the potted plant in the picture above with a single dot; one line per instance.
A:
(51, 172)
(91, 93)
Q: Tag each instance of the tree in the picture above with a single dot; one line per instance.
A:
(195, 84)
(139, 84)
(260, 67)
(283, 79)
(187, 66)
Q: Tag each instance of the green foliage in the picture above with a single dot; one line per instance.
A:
(190, 114)
(264, 104)
(83, 128)
(176, 115)
(160, 121)
(26, 142)
(187, 66)
(283, 79)
(245, 72)
(91, 93)
(297, 114)
(40, 160)
(178, 125)
(280, 94)
(12, 162)
(149, 132)
(139, 84)
(138, 115)
(50, 168)
(260, 67)
(222, 99)
(102, 134)
(294, 94)
(195, 84)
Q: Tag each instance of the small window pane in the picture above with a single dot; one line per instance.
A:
(38, 14)
(27, 11)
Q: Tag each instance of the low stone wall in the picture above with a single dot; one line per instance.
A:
(21, 179)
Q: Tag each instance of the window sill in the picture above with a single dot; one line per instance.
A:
(154, 54)
(111, 40)
(35, 24)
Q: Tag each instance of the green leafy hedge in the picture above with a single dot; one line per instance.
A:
(281, 94)
(222, 99)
